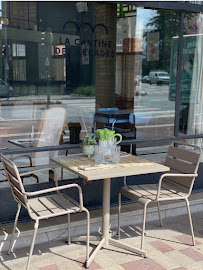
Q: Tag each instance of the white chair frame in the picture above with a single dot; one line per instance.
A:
(43, 207)
(175, 185)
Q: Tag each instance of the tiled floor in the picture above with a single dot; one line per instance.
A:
(168, 247)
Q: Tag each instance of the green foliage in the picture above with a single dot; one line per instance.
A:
(86, 91)
(167, 23)
(89, 140)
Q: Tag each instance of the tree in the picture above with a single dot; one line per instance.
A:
(167, 23)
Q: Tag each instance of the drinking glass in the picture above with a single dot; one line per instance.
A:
(115, 158)
(98, 156)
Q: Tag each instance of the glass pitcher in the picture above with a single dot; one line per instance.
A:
(107, 146)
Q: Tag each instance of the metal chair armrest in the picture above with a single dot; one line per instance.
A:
(124, 181)
(41, 170)
(30, 160)
(38, 170)
(171, 175)
(49, 190)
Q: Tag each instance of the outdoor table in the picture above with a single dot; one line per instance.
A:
(129, 165)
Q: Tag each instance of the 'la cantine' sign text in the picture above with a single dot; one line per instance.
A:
(94, 47)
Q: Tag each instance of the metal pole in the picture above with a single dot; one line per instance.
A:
(178, 78)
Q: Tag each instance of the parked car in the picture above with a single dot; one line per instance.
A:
(159, 77)
(5, 89)
(145, 79)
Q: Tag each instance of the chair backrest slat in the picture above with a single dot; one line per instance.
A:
(9, 168)
(176, 187)
(14, 180)
(183, 154)
(185, 181)
(18, 196)
(183, 161)
(180, 165)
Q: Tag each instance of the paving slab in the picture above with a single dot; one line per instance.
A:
(165, 251)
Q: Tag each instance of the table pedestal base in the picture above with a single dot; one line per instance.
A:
(107, 241)
(116, 243)
(106, 238)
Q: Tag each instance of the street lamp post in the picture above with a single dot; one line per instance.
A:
(47, 65)
(48, 40)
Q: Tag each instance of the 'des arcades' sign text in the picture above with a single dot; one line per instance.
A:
(89, 47)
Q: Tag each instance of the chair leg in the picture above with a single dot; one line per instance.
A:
(36, 177)
(131, 149)
(88, 235)
(190, 220)
(33, 243)
(14, 228)
(119, 214)
(143, 226)
(61, 173)
(69, 240)
(160, 219)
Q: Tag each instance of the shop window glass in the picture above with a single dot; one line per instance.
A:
(191, 84)
(54, 53)
(144, 72)
(51, 58)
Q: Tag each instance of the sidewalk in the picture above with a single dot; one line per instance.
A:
(168, 247)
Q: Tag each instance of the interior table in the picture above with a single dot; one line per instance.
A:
(90, 171)
(112, 117)
(25, 143)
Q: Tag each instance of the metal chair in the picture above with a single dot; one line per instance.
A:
(175, 185)
(138, 118)
(49, 133)
(53, 204)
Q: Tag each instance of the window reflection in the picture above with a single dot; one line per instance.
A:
(143, 71)
(193, 105)
(55, 56)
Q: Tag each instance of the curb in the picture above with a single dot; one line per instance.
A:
(41, 102)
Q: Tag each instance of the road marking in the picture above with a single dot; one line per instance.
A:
(162, 116)
(81, 105)
(144, 109)
(155, 125)
(154, 111)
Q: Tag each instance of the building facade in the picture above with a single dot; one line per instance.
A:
(145, 57)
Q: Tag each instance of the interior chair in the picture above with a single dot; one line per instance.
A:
(183, 160)
(42, 204)
(49, 133)
(138, 118)
(22, 166)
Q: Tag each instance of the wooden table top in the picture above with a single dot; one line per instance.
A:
(119, 114)
(128, 165)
